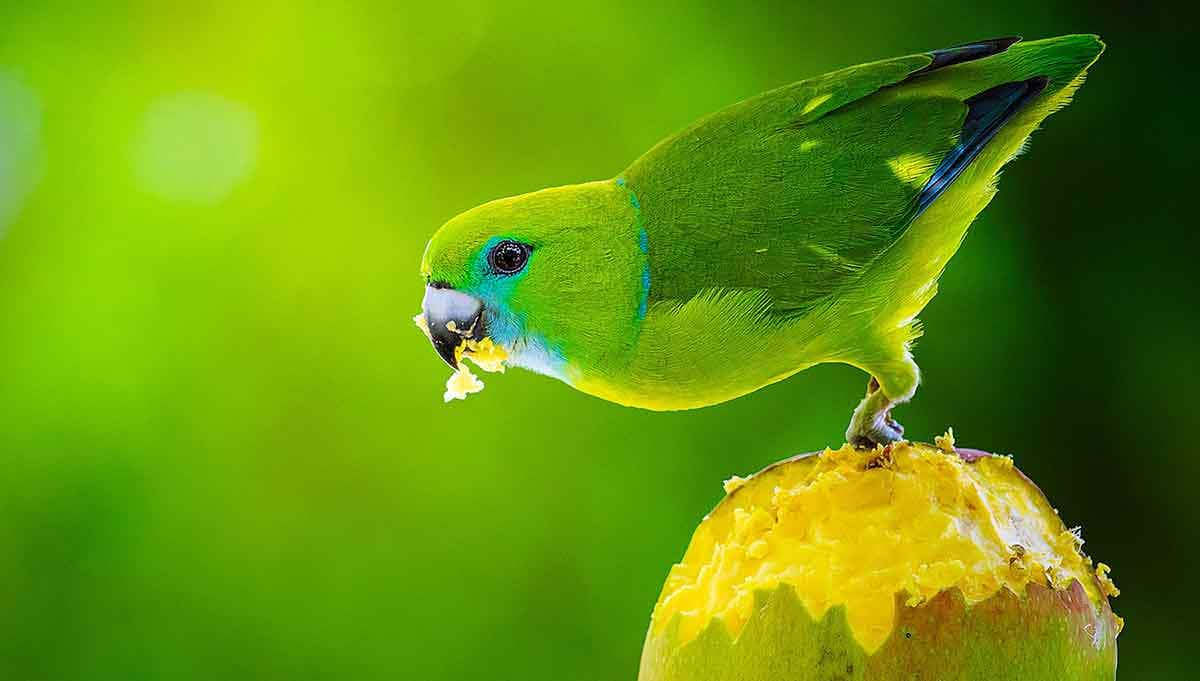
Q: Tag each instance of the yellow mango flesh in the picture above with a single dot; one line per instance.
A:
(857, 529)
(485, 353)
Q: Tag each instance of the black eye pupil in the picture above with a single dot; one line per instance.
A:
(508, 257)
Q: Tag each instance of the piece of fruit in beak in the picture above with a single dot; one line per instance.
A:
(442, 322)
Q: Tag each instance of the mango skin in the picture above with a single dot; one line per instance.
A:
(1042, 634)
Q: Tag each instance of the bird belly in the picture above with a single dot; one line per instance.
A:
(709, 350)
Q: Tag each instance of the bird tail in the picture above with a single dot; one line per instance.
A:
(1008, 89)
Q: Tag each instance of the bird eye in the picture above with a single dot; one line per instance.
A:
(508, 257)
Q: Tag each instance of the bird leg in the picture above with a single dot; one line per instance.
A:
(872, 423)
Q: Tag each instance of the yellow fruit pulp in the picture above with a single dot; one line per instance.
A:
(855, 528)
(484, 353)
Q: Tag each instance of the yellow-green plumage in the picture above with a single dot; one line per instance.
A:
(798, 227)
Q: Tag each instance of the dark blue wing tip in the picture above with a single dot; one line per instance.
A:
(987, 112)
(968, 52)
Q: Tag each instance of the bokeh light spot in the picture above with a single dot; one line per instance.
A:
(21, 155)
(195, 147)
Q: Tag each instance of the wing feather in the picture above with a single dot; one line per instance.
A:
(798, 190)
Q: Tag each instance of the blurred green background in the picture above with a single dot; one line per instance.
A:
(223, 450)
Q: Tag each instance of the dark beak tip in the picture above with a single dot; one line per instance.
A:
(447, 350)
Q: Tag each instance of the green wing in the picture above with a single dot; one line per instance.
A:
(798, 190)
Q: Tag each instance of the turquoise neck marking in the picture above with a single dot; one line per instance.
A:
(644, 300)
(644, 247)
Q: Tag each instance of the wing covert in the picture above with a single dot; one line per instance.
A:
(797, 190)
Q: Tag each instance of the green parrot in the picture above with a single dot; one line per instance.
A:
(806, 225)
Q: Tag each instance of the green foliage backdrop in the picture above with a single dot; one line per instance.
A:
(223, 452)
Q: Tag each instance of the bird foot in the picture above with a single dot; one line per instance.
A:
(884, 433)
(872, 423)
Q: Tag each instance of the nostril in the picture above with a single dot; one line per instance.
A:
(439, 284)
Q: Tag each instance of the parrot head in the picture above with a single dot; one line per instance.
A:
(553, 277)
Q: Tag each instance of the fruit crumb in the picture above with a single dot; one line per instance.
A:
(945, 442)
(461, 383)
(1106, 583)
(485, 353)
